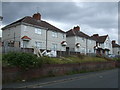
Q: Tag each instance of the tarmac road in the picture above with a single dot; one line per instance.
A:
(106, 79)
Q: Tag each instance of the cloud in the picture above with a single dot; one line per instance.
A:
(97, 17)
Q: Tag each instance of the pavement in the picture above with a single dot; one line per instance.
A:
(99, 79)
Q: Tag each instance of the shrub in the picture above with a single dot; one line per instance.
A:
(22, 60)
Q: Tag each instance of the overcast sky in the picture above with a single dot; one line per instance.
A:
(92, 17)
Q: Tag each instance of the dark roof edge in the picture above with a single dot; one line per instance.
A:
(9, 26)
(21, 21)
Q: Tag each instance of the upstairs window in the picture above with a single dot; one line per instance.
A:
(25, 28)
(38, 31)
(54, 34)
(63, 36)
(90, 41)
(83, 39)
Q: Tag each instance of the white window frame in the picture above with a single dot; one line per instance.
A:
(90, 41)
(89, 50)
(54, 46)
(83, 39)
(38, 44)
(25, 28)
(83, 50)
(54, 34)
(38, 31)
(76, 38)
(63, 36)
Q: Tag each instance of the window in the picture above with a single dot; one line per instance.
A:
(11, 44)
(25, 28)
(54, 34)
(38, 31)
(90, 41)
(54, 46)
(76, 38)
(63, 36)
(83, 50)
(38, 44)
(83, 39)
(89, 50)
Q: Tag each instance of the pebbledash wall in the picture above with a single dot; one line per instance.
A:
(11, 74)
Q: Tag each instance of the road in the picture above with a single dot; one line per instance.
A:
(106, 79)
(99, 79)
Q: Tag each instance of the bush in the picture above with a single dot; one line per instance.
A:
(116, 59)
(22, 60)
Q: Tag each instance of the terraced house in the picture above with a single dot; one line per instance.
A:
(32, 31)
(103, 44)
(77, 41)
(116, 48)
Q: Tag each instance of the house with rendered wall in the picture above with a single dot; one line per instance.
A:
(32, 31)
(103, 44)
(79, 42)
(115, 48)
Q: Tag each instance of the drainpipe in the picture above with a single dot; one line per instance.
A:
(46, 38)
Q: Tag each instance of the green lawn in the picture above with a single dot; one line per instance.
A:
(86, 59)
(75, 59)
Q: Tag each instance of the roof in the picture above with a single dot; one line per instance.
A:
(32, 21)
(115, 45)
(100, 39)
(79, 33)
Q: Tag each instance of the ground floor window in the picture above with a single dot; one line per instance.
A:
(11, 44)
(89, 50)
(38, 44)
(83, 50)
(54, 46)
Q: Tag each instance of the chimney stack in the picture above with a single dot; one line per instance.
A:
(37, 16)
(96, 35)
(113, 42)
(77, 28)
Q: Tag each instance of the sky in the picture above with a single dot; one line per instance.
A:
(92, 17)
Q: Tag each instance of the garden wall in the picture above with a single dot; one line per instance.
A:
(13, 74)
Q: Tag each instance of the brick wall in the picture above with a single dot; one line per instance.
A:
(14, 74)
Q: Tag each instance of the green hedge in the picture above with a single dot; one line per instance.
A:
(22, 60)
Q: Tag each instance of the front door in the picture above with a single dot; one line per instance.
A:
(25, 44)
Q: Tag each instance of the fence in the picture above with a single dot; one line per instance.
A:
(17, 49)
(31, 50)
